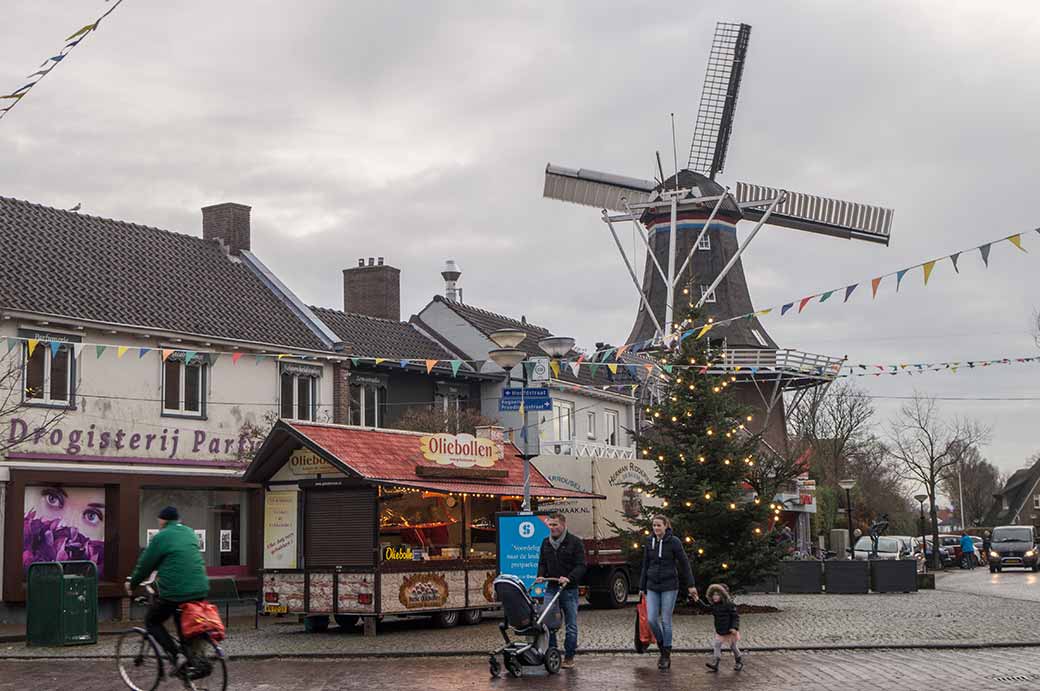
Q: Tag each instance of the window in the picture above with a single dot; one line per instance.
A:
(1004, 503)
(220, 519)
(590, 423)
(613, 436)
(368, 398)
(184, 386)
(48, 373)
(298, 392)
(1036, 501)
(563, 421)
(704, 243)
(448, 398)
(710, 296)
(425, 522)
(758, 337)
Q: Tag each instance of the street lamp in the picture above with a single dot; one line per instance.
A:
(924, 541)
(847, 485)
(507, 356)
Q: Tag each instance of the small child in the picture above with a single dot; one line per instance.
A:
(727, 625)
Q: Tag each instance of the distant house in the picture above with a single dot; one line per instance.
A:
(1018, 503)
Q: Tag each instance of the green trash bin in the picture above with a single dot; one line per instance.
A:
(62, 604)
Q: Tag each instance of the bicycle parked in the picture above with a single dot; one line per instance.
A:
(142, 661)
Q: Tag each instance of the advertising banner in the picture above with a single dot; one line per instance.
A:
(280, 530)
(64, 524)
(520, 537)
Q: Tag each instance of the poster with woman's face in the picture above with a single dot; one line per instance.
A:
(64, 524)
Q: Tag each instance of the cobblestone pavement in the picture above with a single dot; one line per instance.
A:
(1013, 584)
(938, 617)
(888, 670)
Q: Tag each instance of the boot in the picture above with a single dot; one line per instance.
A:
(713, 665)
(666, 659)
(738, 664)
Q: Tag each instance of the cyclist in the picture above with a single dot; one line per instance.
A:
(174, 553)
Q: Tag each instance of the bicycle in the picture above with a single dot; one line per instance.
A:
(140, 658)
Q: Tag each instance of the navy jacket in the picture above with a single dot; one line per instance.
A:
(663, 560)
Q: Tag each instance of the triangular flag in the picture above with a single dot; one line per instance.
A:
(355, 361)
(899, 278)
(783, 310)
(100, 350)
(189, 355)
(704, 329)
(762, 313)
(668, 368)
(259, 358)
(55, 347)
(430, 364)
(803, 303)
(649, 369)
(11, 343)
(121, 351)
(455, 365)
(874, 283)
(235, 357)
(823, 298)
(529, 368)
(166, 353)
(1016, 240)
(33, 342)
(381, 360)
(848, 291)
(984, 251)
(213, 357)
(404, 364)
(954, 257)
(612, 367)
(554, 365)
(593, 368)
(77, 348)
(928, 266)
(575, 367)
(88, 27)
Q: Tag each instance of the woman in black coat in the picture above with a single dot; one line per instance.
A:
(664, 561)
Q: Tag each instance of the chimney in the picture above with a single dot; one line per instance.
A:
(373, 290)
(451, 276)
(229, 223)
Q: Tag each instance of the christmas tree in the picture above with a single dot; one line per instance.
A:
(708, 470)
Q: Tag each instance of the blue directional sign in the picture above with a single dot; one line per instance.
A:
(532, 398)
(520, 537)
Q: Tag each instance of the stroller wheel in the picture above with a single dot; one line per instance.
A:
(493, 667)
(514, 667)
(552, 660)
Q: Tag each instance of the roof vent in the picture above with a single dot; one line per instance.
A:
(451, 275)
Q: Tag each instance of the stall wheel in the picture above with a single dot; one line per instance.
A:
(514, 667)
(552, 661)
(494, 667)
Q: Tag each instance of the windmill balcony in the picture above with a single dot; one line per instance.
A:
(586, 449)
(763, 363)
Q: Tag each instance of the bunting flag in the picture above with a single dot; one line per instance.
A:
(704, 329)
(576, 367)
(984, 251)
(953, 258)
(235, 357)
(783, 310)
(825, 296)
(189, 355)
(899, 278)
(554, 365)
(121, 351)
(455, 365)
(928, 266)
(100, 350)
(380, 360)
(404, 364)
(612, 367)
(258, 359)
(668, 368)
(355, 362)
(621, 351)
(166, 353)
(593, 368)
(803, 303)
(430, 364)
(1016, 240)
(50, 63)
(848, 291)
(77, 349)
(33, 342)
(874, 283)
(11, 343)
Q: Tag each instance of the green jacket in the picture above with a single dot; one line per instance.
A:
(174, 552)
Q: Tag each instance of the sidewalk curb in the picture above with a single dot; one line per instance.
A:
(592, 651)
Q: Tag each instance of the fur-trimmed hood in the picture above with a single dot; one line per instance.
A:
(720, 589)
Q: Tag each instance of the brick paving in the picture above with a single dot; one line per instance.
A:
(877, 670)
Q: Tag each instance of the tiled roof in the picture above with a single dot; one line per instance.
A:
(392, 457)
(371, 336)
(487, 322)
(1017, 492)
(83, 267)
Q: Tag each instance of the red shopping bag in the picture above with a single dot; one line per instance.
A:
(201, 617)
(644, 636)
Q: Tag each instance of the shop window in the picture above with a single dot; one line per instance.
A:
(220, 519)
(184, 386)
(48, 374)
(427, 523)
(480, 532)
(613, 436)
(367, 404)
(563, 421)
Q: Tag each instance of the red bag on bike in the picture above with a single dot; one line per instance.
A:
(198, 618)
(644, 636)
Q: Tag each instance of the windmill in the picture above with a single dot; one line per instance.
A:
(687, 224)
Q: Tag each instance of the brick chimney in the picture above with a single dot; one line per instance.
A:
(229, 223)
(373, 289)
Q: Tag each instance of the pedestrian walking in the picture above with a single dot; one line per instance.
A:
(562, 556)
(664, 562)
(727, 625)
(967, 550)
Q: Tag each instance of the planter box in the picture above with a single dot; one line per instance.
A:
(926, 581)
(893, 575)
(847, 576)
(769, 584)
(801, 577)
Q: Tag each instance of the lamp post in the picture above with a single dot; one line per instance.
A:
(847, 485)
(924, 541)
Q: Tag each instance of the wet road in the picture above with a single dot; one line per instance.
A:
(1010, 584)
(846, 670)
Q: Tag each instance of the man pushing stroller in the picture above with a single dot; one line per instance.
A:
(562, 557)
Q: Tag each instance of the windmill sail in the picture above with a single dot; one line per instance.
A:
(719, 98)
(817, 214)
(594, 188)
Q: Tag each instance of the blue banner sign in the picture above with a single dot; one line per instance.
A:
(520, 539)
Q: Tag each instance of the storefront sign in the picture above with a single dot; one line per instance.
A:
(64, 524)
(424, 590)
(304, 462)
(280, 530)
(397, 553)
(461, 450)
(520, 539)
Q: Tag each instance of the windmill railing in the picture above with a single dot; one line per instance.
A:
(759, 362)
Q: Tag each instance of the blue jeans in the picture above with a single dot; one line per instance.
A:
(568, 604)
(659, 605)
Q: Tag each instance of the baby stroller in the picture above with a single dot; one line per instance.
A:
(528, 619)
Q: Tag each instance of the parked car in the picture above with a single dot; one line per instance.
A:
(1013, 546)
(889, 547)
(952, 545)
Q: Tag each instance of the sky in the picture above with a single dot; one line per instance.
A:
(420, 132)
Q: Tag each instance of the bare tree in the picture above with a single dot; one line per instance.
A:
(835, 421)
(12, 401)
(927, 446)
(454, 421)
(981, 480)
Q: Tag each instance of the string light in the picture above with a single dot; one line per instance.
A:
(732, 505)
(700, 550)
(689, 539)
(707, 496)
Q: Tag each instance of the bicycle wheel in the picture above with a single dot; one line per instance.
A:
(210, 663)
(137, 657)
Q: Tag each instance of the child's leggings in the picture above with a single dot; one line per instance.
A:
(733, 646)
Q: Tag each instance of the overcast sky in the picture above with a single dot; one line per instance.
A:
(420, 131)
